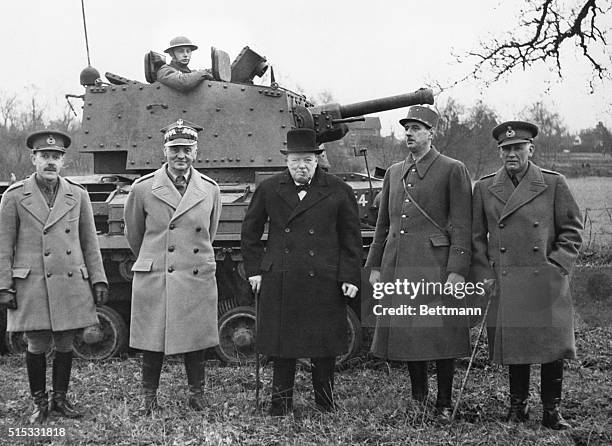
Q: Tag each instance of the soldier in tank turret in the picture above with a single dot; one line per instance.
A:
(177, 73)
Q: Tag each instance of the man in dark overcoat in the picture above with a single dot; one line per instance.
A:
(177, 73)
(526, 236)
(50, 260)
(312, 260)
(423, 236)
(171, 218)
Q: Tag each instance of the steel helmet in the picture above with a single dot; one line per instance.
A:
(180, 41)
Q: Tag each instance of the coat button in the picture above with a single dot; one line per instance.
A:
(311, 273)
(402, 231)
(404, 216)
(536, 224)
(287, 251)
(195, 271)
(196, 250)
(171, 248)
(535, 248)
(504, 272)
(311, 231)
(536, 272)
(311, 253)
(68, 251)
(47, 252)
(45, 232)
(407, 200)
(287, 229)
(502, 249)
(67, 231)
(170, 269)
(48, 274)
(502, 226)
(198, 229)
(69, 273)
(171, 227)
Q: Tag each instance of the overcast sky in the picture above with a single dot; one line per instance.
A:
(357, 50)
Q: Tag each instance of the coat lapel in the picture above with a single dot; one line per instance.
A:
(286, 189)
(318, 191)
(33, 200)
(194, 194)
(502, 186)
(163, 188)
(530, 187)
(64, 201)
(422, 165)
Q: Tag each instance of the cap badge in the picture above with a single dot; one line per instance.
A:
(51, 140)
(179, 123)
(510, 132)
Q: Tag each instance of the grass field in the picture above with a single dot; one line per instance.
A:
(594, 196)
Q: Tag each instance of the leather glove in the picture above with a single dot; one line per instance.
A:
(100, 293)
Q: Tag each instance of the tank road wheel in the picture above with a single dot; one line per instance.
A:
(102, 341)
(237, 336)
(354, 336)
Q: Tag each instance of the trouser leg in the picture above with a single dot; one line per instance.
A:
(151, 371)
(445, 371)
(418, 380)
(195, 369)
(283, 380)
(551, 386)
(518, 375)
(323, 382)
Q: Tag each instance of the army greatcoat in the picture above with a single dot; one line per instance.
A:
(50, 257)
(174, 292)
(408, 246)
(527, 238)
(313, 246)
(181, 78)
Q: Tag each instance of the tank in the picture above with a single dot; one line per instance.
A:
(245, 126)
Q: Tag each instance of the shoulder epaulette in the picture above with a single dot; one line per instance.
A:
(488, 176)
(205, 178)
(144, 177)
(74, 183)
(552, 172)
(15, 185)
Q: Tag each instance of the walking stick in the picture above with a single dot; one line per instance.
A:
(256, 352)
(467, 372)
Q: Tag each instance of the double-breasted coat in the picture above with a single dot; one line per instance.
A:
(527, 238)
(174, 292)
(407, 246)
(313, 246)
(50, 256)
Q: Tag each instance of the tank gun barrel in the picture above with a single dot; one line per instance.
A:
(421, 96)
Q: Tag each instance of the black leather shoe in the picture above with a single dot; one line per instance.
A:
(41, 408)
(519, 411)
(60, 404)
(553, 419)
(444, 414)
(196, 400)
(149, 403)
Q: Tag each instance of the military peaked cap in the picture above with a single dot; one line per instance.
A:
(181, 133)
(424, 115)
(514, 132)
(48, 140)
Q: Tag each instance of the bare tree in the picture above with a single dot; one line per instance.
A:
(547, 28)
(8, 109)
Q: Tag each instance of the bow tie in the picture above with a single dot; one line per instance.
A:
(302, 187)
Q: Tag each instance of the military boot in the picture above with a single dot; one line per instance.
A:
(552, 383)
(283, 380)
(194, 368)
(151, 370)
(519, 393)
(36, 365)
(322, 372)
(62, 365)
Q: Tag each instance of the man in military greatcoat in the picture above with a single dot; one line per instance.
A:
(50, 260)
(526, 236)
(177, 73)
(423, 236)
(311, 262)
(171, 218)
